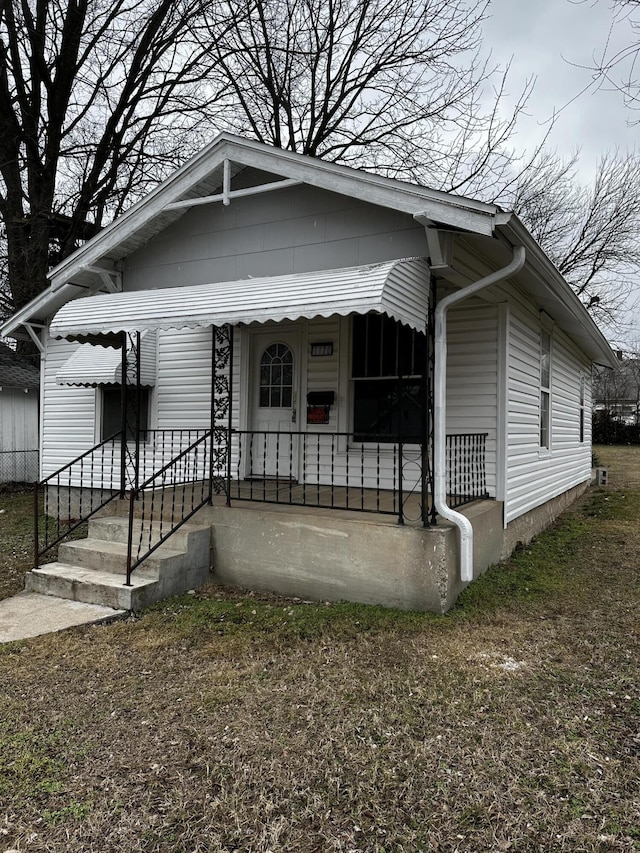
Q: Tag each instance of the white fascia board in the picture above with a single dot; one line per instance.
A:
(36, 308)
(554, 282)
(368, 187)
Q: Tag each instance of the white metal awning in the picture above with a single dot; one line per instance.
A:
(398, 288)
(90, 365)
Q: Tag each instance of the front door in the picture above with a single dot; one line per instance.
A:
(273, 447)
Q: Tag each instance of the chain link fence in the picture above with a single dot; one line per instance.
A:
(18, 466)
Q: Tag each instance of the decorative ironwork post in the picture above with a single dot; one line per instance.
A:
(132, 397)
(221, 411)
(400, 393)
(131, 412)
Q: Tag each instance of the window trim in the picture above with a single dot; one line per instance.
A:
(544, 411)
(582, 387)
(281, 386)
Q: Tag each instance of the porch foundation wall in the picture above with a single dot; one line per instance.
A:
(331, 558)
(326, 558)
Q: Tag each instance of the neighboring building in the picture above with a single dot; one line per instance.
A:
(19, 383)
(617, 391)
(311, 341)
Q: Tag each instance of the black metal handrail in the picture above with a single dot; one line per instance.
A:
(320, 469)
(67, 502)
(169, 498)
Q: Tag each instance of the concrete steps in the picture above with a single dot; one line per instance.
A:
(93, 570)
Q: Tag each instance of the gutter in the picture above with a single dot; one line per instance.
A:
(440, 407)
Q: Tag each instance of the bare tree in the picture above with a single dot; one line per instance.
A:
(402, 89)
(395, 87)
(618, 68)
(589, 231)
(98, 98)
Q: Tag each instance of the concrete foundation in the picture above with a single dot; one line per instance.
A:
(330, 556)
(522, 530)
(310, 553)
(343, 556)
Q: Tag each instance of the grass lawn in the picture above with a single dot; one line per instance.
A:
(229, 722)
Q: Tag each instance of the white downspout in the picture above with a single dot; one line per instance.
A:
(440, 407)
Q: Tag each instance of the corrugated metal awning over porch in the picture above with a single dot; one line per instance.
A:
(397, 288)
(91, 365)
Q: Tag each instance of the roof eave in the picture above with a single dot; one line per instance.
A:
(598, 349)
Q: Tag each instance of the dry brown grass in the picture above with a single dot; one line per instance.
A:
(223, 721)
(623, 464)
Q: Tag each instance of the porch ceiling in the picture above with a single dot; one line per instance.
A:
(396, 288)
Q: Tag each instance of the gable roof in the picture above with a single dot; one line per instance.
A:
(206, 177)
(203, 175)
(16, 372)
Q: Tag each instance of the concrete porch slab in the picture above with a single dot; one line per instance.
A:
(30, 614)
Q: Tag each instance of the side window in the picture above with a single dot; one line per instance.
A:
(581, 413)
(111, 421)
(545, 390)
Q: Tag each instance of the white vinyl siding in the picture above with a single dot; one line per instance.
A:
(535, 475)
(293, 230)
(322, 371)
(183, 390)
(545, 389)
(68, 412)
(181, 399)
(472, 371)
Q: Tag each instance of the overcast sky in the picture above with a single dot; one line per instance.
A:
(547, 39)
(550, 39)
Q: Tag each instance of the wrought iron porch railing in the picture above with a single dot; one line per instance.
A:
(331, 470)
(72, 494)
(466, 468)
(169, 498)
(319, 469)
(68, 498)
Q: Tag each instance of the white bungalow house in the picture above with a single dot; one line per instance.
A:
(349, 387)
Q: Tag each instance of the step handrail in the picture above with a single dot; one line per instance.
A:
(55, 480)
(186, 509)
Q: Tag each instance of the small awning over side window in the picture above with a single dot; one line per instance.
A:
(91, 365)
(397, 288)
